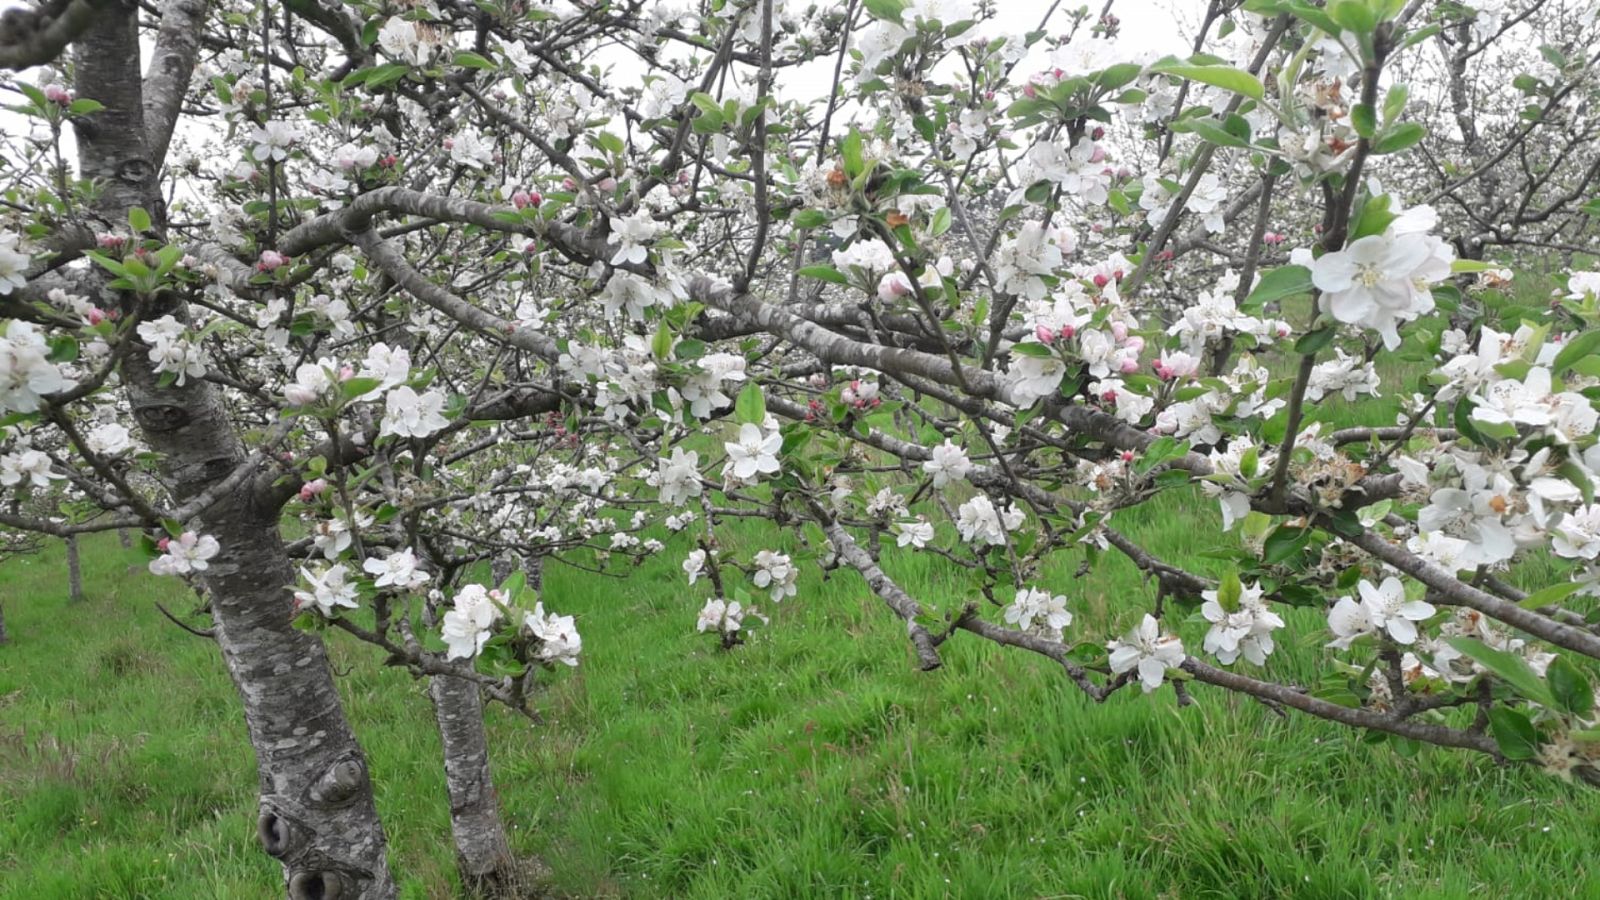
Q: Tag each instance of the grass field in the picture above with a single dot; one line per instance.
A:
(812, 762)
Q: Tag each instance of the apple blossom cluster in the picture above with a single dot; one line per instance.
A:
(1037, 611)
(1241, 624)
(188, 553)
(1147, 652)
(26, 373)
(775, 573)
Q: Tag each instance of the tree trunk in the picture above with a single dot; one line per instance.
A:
(482, 854)
(317, 813)
(74, 571)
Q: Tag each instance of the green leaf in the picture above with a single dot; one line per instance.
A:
(1395, 103)
(1353, 15)
(469, 60)
(1225, 77)
(351, 388)
(1364, 119)
(889, 10)
(1570, 687)
(1511, 668)
(1400, 137)
(1514, 733)
(1285, 542)
(1314, 341)
(1375, 217)
(138, 220)
(1211, 130)
(941, 222)
(825, 273)
(1118, 75)
(851, 149)
(1550, 596)
(1282, 282)
(1575, 349)
(84, 107)
(1229, 590)
(809, 218)
(751, 406)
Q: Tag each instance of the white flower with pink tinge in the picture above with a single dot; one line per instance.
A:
(190, 552)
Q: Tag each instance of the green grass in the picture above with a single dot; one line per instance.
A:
(813, 761)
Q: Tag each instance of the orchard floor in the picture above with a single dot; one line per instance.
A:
(812, 762)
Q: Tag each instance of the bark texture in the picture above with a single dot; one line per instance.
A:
(482, 854)
(317, 813)
(74, 571)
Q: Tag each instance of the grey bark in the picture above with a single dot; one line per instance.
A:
(317, 815)
(74, 571)
(483, 854)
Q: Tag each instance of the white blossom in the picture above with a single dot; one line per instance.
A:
(407, 414)
(1147, 650)
(327, 590)
(776, 573)
(398, 570)
(947, 463)
(754, 452)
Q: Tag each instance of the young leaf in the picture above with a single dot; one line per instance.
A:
(1225, 77)
(1514, 733)
(751, 406)
(1511, 668)
(1570, 687)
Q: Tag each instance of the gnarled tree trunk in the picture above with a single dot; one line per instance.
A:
(317, 813)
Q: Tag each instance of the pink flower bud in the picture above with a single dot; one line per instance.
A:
(110, 241)
(1098, 154)
(270, 260)
(1119, 330)
(1127, 456)
(1097, 134)
(521, 200)
(607, 184)
(163, 543)
(1129, 365)
(449, 143)
(55, 93)
(568, 184)
(1044, 334)
(1134, 343)
(1101, 281)
(95, 316)
(312, 488)
(1029, 91)
(530, 247)
(1067, 331)
(346, 373)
